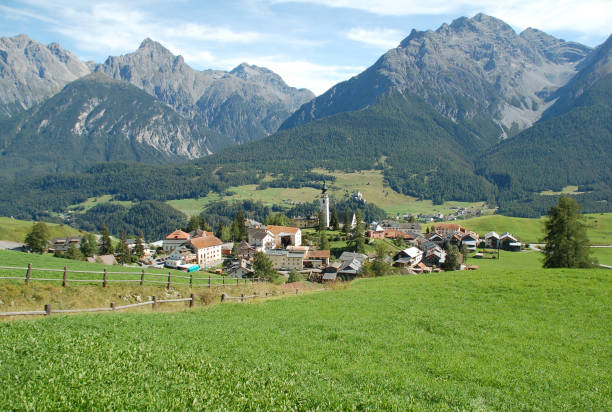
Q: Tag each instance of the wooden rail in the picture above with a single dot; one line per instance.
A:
(49, 311)
(208, 282)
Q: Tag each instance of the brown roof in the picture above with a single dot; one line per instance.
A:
(178, 234)
(448, 226)
(206, 241)
(280, 229)
(318, 254)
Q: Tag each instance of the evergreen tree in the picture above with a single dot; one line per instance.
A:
(295, 276)
(452, 257)
(323, 241)
(321, 217)
(333, 221)
(263, 267)
(357, 235)
(567, 245)
(239, 231)
(347, 222)
(38, 238)
(139, 247)
(89, 245)
(73, 253)
(379, 267)
(107, 244)
(224, 232)
(194, 223)
(204, 225)
(123, 252)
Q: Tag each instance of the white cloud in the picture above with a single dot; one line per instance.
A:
(380, 38)
(585, 17)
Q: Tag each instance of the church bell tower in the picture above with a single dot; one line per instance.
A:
(325, 205)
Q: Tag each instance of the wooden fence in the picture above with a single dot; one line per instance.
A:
(103, 278)
(48, 310)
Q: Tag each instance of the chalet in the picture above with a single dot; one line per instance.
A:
(261, 239)
(182, 255)
(470, 240)
(286, 259)
(437, 238)
(175, 239)
(252, 224)
(316, 259)
(349, 269)
(408, 257)
(509, 242)
(240, 270)
(454, 238)
(207, 250)
(421, 268)
(447, 228)
(492, 240)
(245, 251)
(285, 236)
(376, 234)
(434, 256)
(62, 244)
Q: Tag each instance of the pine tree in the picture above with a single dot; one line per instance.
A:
(567, 244)
(379, 267)
(194, 223)
(357, 236)
(89, 245)
(204, 225)
(107, 244)
(224, 232)
(38, 238)
(263, 267)
(321, 226)
(323, 241)
(123, 251)
(333, 221)
(73, 253)
(239, 231)
(347, 222)
(452, 257)
(139, 247)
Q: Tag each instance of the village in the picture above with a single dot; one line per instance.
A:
(290, 249)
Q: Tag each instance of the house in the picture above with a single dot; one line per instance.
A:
(316, 259)
(421, 268)
(470, 240)
(447, 228)
(434, 256)
(437, 238)
(286, 259)
(182, 255)
(509, 242)
(261, 239)
(408, 257)
(175, 239)
(303, 222)
(252, 224)
(226, 249)
(285, 236)
(349, 269)
(241, 269)
(207, 250)
(245, 251)
(62, 244)
(492, 240)
(376, 234)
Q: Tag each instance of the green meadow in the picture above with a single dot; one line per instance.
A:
(510, 336)
(16, 230)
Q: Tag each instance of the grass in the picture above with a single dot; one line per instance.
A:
(531, 230)
(567, 190)
(16, 230)
(48, 261)
(510, 336)
(368, 182)
(93, 201)
(603, 255)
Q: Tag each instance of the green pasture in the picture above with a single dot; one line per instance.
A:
(510, 336)
(16, 230)
(93, 201)
(603, 255)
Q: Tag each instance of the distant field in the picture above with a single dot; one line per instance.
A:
(567, 190)
(16, 230)
(510, 336)
(93, 201)
(368, 182)
(531, 230)
(603, 255)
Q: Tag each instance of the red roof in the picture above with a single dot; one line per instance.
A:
(206, 241)
(178, 234)
(282, 229)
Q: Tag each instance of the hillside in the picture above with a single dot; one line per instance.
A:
(506, 337)
(15, 230)
(97, 119)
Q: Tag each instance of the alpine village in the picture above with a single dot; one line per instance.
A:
(432, 233)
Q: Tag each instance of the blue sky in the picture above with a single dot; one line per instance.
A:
(312, 44)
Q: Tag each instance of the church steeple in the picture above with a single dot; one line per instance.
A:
(325, 204)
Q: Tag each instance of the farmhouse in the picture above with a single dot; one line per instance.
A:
(285, 236)
(509, 242)
(470, 241)
(62, 244)
(182, 255)
(316, 259)
(261, 239)
(492, 240)
(286, 259)
(174, 240)
(207, 250)
(408, 257)
(447, 228)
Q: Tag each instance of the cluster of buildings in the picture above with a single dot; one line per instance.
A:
(188, 250)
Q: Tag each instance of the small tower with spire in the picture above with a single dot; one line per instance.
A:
(325, 204)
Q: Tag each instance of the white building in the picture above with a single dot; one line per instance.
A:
(285, 235)
(207, 250)
(287, 259)
(261, 239)
(325, 205)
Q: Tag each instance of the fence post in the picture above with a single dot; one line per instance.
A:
(104, 279)
(112, 305)
(169, 276)
(241, 297)
(65, 276)
(142, 277)
(208, 281)
(223, 281)
(191, 281)
(154, 306)
(296, 291)
(47, 309)
(222, 297)
(191, 301)
(28, 273)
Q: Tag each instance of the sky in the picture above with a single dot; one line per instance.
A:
(310, 43)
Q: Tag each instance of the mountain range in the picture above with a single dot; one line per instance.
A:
(470, 111)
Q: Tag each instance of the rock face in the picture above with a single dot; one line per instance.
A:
(96, 119)
(472, 67)
(31, 72)
(245, 104)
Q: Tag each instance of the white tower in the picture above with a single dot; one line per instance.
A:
(325, 204)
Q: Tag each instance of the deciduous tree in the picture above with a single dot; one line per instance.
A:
(38, 237)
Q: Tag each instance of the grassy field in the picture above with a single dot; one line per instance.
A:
(16, 230)
(93, 201)
(510, 336)
(567, 190)
(603, 255)
(531, 230)
(368, 182)
(48, 261)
